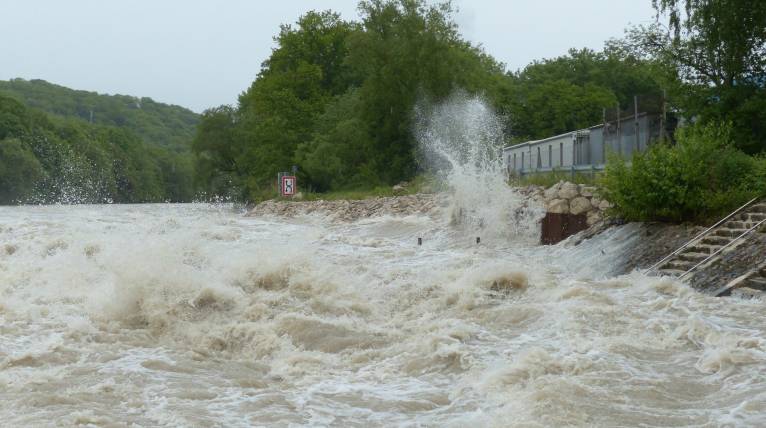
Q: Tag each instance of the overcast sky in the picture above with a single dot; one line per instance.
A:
(200, 54)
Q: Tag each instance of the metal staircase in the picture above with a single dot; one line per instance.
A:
(708, 245)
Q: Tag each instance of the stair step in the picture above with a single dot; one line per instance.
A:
(718, 241)
(672, 272)
(758, 208)
(756, 217)
(740, 224)
(693, 256)
(747, 293)
(733, 233)
(757, 282)
(706, 248)
(679, 265)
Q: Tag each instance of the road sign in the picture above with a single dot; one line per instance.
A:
(289, 184)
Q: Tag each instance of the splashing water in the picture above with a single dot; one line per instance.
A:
(194, 315)
(462, 139)
(190, 315)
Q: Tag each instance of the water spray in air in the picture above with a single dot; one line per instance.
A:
(461, 140)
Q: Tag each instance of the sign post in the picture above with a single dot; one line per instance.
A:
(288, 185)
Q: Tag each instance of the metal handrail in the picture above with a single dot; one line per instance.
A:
(718, 251)
(694, 240)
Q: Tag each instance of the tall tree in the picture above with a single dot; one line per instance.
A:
(718, 48)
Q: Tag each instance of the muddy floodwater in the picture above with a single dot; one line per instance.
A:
(196, 315)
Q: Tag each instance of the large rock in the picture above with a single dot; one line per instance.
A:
(587, 191)
(594, 217)
(568, 191)
(579, 205)
(604, 205)
(552, 192)
(558, 206)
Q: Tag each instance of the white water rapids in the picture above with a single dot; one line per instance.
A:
(195, 315)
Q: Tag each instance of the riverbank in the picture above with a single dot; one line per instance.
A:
(351, 210)
(652, 241)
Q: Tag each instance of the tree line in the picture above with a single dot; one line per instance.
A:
(158, 124)
(336, 97)
(50, 159)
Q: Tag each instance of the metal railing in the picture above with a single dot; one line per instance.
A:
(718, 251)
(701, 234)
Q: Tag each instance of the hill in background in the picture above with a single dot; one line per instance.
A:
(168, 126)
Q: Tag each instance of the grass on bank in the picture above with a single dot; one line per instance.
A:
(420, 184)
(548, 179)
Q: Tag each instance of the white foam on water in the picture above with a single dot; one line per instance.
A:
(168, 315)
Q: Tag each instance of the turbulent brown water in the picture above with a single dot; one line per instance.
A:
(195, 315)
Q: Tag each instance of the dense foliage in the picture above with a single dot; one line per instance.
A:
(46, 159)
(562, 94)
(713, 53)
(717, 52)
(699, 178)
(158, 124)
(337, 98)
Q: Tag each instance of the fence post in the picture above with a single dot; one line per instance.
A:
(635, 119)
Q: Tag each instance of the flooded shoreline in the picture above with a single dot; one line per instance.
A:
(167, 315)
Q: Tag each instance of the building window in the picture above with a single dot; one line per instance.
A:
(514, 161)
(522, 161)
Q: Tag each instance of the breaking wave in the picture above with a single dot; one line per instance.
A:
(167, 315)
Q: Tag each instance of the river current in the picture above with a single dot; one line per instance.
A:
(196, 315)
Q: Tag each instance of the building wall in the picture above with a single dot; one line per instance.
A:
(583, 149)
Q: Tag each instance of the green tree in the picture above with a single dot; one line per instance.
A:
(569, 92)
(718, 50)
(19, 171)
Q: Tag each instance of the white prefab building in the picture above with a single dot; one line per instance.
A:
(585, 149)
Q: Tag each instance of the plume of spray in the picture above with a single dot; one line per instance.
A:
(461, 140)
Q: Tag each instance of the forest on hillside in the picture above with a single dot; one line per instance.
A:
(336, 97)
(51, 158)
(158, 124)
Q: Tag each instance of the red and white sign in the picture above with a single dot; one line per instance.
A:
(288, 185)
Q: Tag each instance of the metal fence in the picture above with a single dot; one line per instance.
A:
(623, 132)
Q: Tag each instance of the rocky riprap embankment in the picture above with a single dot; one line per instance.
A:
(570, 198)
(349, 210)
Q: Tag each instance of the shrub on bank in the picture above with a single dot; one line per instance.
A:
(700, 178)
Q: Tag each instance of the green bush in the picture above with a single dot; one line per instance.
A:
(700, 178)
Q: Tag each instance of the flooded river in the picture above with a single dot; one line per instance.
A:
(195, 315)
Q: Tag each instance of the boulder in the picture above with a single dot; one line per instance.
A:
(568, 191)
(595, 201)
(587, 191)
(594, 217)
(552, 192)
(604, 205)
(558, 206)
(579, 205)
